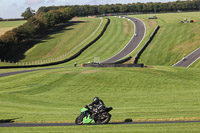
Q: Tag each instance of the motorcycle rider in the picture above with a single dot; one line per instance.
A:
(96, 105)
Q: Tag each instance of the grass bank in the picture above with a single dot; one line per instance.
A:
(143, 128)
(152, 94)
(174, 39)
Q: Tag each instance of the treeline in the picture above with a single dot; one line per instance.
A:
(35, 27)
(157, 7)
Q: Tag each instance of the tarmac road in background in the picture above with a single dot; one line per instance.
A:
(133, 43)
(189, 60)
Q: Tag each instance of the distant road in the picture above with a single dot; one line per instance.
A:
(24, 71)
(134, 42)
(189, 60)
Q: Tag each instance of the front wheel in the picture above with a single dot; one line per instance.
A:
(79, 120)
(104, 118)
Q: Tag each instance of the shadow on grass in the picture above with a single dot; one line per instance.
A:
(18, 53)
(8, 120)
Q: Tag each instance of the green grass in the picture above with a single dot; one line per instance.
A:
(117, 35)
(152, 94)
(196, 64)
(7, 24)
(63, 42)
(145, 128)
(174, 40)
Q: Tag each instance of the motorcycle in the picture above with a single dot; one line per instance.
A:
(94, 115)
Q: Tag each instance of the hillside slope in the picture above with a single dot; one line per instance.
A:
(57, 95)
(174, 39)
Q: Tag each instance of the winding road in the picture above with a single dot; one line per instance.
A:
(190, 59)
(132, 44)
(25, 71)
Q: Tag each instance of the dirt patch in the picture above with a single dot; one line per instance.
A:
(184, 47)
(91, 71)
(64, 72)
(126, 27)
(4, 30)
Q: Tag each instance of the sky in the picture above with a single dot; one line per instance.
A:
(14, 8)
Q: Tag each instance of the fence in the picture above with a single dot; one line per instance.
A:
(60, 59)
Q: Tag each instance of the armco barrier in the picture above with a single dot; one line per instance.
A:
(146, 44)
(111, 65)
(68, 59)
(123, 60)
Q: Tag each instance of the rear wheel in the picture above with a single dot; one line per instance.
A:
(104, 118)
(79, 120)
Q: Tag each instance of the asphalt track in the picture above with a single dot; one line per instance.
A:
(133, 43)
(189, 60)
(25, 71)
(72, 124)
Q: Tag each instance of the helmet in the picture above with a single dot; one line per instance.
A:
(96, 99)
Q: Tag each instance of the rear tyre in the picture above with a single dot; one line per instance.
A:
(79, 120)
(104, 118)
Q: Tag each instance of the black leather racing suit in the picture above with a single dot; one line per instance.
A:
(97, 106)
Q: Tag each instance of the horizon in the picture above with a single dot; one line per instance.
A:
(13, 9)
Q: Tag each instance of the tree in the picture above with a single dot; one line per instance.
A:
(28, 13)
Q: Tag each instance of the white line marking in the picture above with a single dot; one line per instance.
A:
(131, 39)
(86, 38)
(193, 62)
(188, 56)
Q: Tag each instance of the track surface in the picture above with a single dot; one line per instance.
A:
(134, 42)
(25, 71)
(72, 124)
(189, 60)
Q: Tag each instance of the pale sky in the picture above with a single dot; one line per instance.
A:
(14, 8)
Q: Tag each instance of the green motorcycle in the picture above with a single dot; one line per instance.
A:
(94, 116)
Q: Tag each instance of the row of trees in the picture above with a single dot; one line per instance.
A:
(84, 10)
(36, 26)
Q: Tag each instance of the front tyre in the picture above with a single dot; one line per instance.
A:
(79, 120)
(104, 118)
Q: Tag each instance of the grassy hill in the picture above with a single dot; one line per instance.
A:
(8, 25)
(151, 94)
(66, 43)
(144, 94)
(117, 35)
(63, 43)
(174, 39)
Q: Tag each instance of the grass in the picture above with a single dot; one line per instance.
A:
(150, 27)
(61, 43)
(152, 94)
(157, 93)
(9, 25)
(64, 43)
(147, 128)
(196, 64)
(174, 40)
(117, 35)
